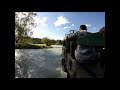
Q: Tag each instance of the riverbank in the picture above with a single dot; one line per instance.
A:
(31, 46)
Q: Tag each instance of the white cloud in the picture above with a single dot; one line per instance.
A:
(72, 25)
(58, 37)
(42, 32)
(68, 26)
(61, 21)
(40, 21)
(57, 29)
(39, 33)
(88, 25)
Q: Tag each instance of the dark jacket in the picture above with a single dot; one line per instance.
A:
(83, 53)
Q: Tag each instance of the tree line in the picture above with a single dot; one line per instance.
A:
(47, 41)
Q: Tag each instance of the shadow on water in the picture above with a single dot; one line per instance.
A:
(44, 63)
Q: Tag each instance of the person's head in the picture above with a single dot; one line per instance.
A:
(83, 28)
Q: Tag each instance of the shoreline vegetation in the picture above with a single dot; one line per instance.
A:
(24, 22)
(31, 46)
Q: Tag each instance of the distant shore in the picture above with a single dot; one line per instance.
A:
(31, 46)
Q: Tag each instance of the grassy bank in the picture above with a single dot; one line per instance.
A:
(31, 46)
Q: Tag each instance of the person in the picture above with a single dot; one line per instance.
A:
(83, 53)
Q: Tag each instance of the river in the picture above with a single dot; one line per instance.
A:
(39, 63)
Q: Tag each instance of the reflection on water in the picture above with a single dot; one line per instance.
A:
(38, 63)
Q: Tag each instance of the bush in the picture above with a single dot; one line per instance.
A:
(46, 41)
(57, 43)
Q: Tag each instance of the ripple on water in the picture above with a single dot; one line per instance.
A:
(39, 63)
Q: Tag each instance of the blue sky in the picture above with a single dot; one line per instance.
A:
(55, 25)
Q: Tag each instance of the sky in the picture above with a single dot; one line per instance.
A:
(55, 25)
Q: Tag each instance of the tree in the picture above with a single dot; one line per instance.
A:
(36, 41)
(53, 42)
(46, 41)
(24, 22)
(27, 40)
(57, 43)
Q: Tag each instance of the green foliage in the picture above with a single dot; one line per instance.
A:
(25, 40)
(36, 41)
(23, 24)
(53, 42)
(28, 42)
(46, 41)
(57, 43)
